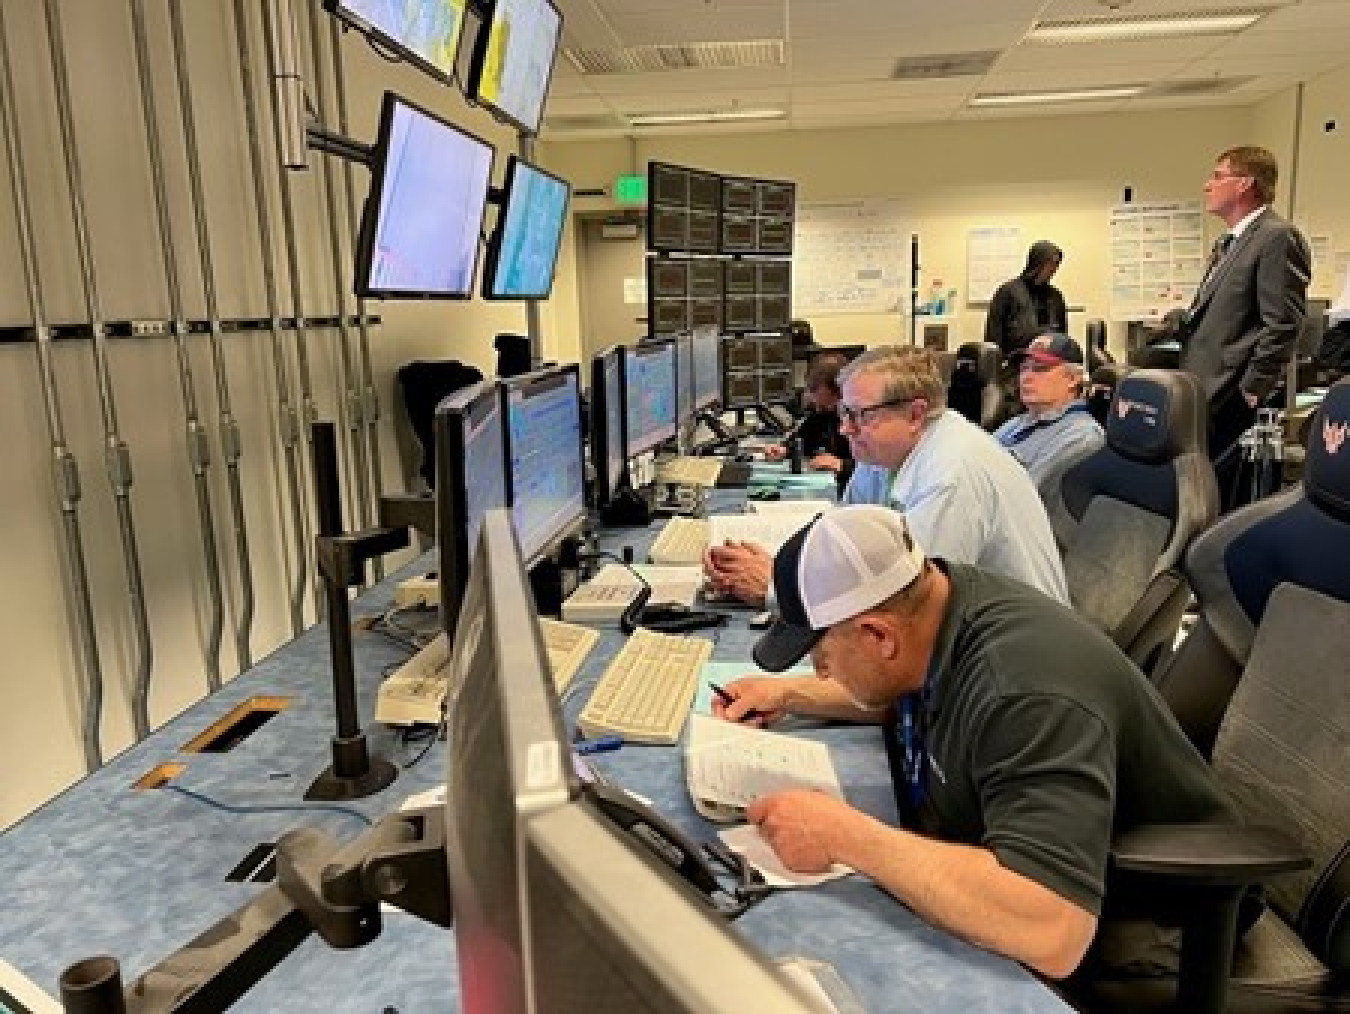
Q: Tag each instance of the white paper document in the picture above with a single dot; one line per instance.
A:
(745, 840)
(728, 766)
(808, 508)
(669, 582)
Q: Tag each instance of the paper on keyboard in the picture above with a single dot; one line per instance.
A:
(728, 766)
(767, 530)
(745, 840)
(670, 583)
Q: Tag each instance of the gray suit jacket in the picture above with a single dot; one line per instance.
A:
(1244, 328)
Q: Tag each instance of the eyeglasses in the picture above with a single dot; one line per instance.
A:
(858, 417)
(1224, 174)
(1029, 365)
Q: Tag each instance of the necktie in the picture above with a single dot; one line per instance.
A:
(1216, 255)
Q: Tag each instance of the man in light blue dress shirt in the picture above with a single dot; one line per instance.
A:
(1056, 429)
(964, 496)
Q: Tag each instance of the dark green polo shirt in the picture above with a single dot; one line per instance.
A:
(1044, 740)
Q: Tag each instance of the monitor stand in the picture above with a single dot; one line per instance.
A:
(628, 509)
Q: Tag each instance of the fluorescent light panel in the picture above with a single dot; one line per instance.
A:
(1148, 26)
(703, 116)
(1037, 98)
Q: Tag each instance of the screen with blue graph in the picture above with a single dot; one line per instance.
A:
(649, 394)
(548, 489)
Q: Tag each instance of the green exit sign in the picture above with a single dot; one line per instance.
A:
(631, 190)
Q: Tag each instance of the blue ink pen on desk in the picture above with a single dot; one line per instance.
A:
(603, 744)
(727, 700)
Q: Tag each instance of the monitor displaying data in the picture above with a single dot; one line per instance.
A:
(649, 395)
(707, 368)
(471, 480)
(684, 383)
(513, 60)
(424, 32)
(524, 249)
(422, 221)
(548, 485)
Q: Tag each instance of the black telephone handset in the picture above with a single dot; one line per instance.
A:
(656, 833)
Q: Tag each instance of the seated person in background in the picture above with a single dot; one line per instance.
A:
(1028, 305)
(824, 448)
(1056, 427)
(964, 496)
(1020, 739)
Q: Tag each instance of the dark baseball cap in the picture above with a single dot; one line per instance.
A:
(1054, 349)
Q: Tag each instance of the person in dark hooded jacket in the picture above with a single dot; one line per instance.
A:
(1028, 305)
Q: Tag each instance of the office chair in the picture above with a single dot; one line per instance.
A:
(513, 354)
(975, 390)
(1101, 388)
(424, 383)
(1129, 510)
(1262, 686)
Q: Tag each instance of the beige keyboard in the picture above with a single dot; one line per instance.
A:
(647, 690)
(415, 692)
(689, 471)
(568, 646)
(683, 540)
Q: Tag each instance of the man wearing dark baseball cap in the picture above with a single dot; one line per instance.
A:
(1056, 429)
(1020, 739)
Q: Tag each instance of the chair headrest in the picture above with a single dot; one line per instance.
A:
(977, 362)
(1110, 374)
(1326, 472)
(1156, 415)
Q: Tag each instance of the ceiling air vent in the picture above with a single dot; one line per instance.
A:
(940, 65)
(1196, 87)
(688, 56)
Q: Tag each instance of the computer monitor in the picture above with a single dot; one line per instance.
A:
(513, 59)
(609, 452)
(506, 759)
(649, 395)
(707, 369)
(775, 352)
(557, 909)
(683, 209)
(426, 33)
(1314, 327)
(421, 223)
(543, 427)
(470, 480)
(684, 384)
(523, 251)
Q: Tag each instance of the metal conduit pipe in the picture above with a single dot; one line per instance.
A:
(288, 422)
(66, 470)
(350, 402)
(370, 398)
(117, 454)
(283, 62)
(230, 443)
(198, 450)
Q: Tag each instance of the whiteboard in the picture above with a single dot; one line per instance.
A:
(994, 254)
(851, 256)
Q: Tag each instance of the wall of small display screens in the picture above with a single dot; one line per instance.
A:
(721, 246)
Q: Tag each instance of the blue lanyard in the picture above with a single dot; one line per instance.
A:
(913, 743)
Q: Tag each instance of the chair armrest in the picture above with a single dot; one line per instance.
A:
(1208, 855)
(1162, 604)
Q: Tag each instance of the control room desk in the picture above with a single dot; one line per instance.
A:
(106, 868)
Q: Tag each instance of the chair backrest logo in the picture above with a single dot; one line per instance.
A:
(1333, 434)
(1124, 406)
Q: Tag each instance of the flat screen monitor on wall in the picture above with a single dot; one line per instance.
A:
(421, 224)
(513, 59)
(523, 252)
(424, 32)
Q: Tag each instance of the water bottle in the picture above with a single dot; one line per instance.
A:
(794, 447)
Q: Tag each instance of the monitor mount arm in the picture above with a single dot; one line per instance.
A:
(322, 887)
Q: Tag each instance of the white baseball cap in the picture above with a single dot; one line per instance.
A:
(844, 563)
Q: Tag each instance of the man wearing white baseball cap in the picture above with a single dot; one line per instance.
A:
(1020, 738)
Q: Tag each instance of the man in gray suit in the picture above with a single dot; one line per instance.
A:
(1244, 323)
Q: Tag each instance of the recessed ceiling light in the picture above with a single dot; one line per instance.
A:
(1149, 26)
(1074, 95)
(703, 116)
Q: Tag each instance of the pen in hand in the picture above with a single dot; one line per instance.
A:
(727, 699)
